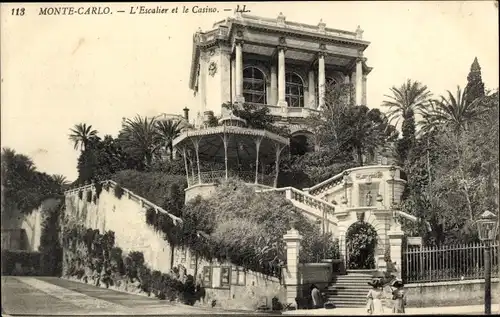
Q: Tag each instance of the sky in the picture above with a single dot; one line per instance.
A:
(57, 71)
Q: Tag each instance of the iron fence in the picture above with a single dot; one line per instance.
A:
(448, 263)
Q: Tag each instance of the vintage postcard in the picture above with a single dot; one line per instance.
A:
(270, 158)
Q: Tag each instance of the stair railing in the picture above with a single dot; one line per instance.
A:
(129, 194)
(293, 193)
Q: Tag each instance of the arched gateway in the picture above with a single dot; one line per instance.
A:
(361, 245)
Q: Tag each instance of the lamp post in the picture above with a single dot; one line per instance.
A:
(392, 171)
(487, 227)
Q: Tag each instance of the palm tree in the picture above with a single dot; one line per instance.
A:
(406, 100)
(167, 131)
(60, 180)
(81, 134)
(454, 112)
(140, 138)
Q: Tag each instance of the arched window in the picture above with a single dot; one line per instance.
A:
(294, 92)
(254, 85)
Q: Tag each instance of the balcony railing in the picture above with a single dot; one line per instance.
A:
(298, 112)
(211, 177)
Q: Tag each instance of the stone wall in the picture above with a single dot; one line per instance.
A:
(319, 274)
(457, 293)
(127, 218)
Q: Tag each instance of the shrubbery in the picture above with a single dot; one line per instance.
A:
(93, 258)
(246, 228)
(20, 263)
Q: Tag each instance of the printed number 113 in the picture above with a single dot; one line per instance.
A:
(18, 11)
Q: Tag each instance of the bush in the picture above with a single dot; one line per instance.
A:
(247, 228)
(50, 245)
(119, 191)
(98, 189)
(21, 263)
(89, 251)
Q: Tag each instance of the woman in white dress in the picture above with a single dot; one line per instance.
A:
(374, 298)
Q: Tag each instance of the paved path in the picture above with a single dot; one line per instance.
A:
(54, 296)
(455, 310)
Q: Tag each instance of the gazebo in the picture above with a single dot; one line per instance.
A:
(231, 150)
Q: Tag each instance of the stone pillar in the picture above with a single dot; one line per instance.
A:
(363, 97)
(274, 86)
(281, 77)
(239, 72)
(202, 79)
(291, 277)
(359, 81)
(396, 244)
(312, 90)
(321, 80)
(233, 79)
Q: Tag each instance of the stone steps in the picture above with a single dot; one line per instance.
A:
(349, 290)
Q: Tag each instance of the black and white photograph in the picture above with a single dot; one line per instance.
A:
(250, 158)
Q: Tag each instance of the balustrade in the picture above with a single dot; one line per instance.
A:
(211, 177)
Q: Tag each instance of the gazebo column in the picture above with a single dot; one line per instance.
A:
(225, 141)
(279, 148)
(258, 141)
(196, 143)
(185, 164)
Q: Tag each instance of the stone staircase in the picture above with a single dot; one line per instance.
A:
(349, 290)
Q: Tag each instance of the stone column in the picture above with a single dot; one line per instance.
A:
(363, 97)
(274, 86)
(239, 72)
(396, 244)
(291, 277)
(359, 81)
(281, 77)
(321, 80)
(233, 79)
(312, 90)
(202, 79)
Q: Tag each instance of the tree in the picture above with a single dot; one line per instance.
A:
(81, 134)
(23, 187)
(61, 180)
(167, 131)
(257, 118)
(475, 85)
(405, 101)
(454, 111)
(102, 158)
(139, 138)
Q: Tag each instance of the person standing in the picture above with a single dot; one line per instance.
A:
(374, 298)
(398, 297)
(315, 296)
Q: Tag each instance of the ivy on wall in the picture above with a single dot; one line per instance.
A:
(93, 258)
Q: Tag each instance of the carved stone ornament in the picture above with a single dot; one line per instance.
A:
(322, 46)
(212, 69)
(212, 52)
(282, 40)
(370, 176)
(239, 33)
